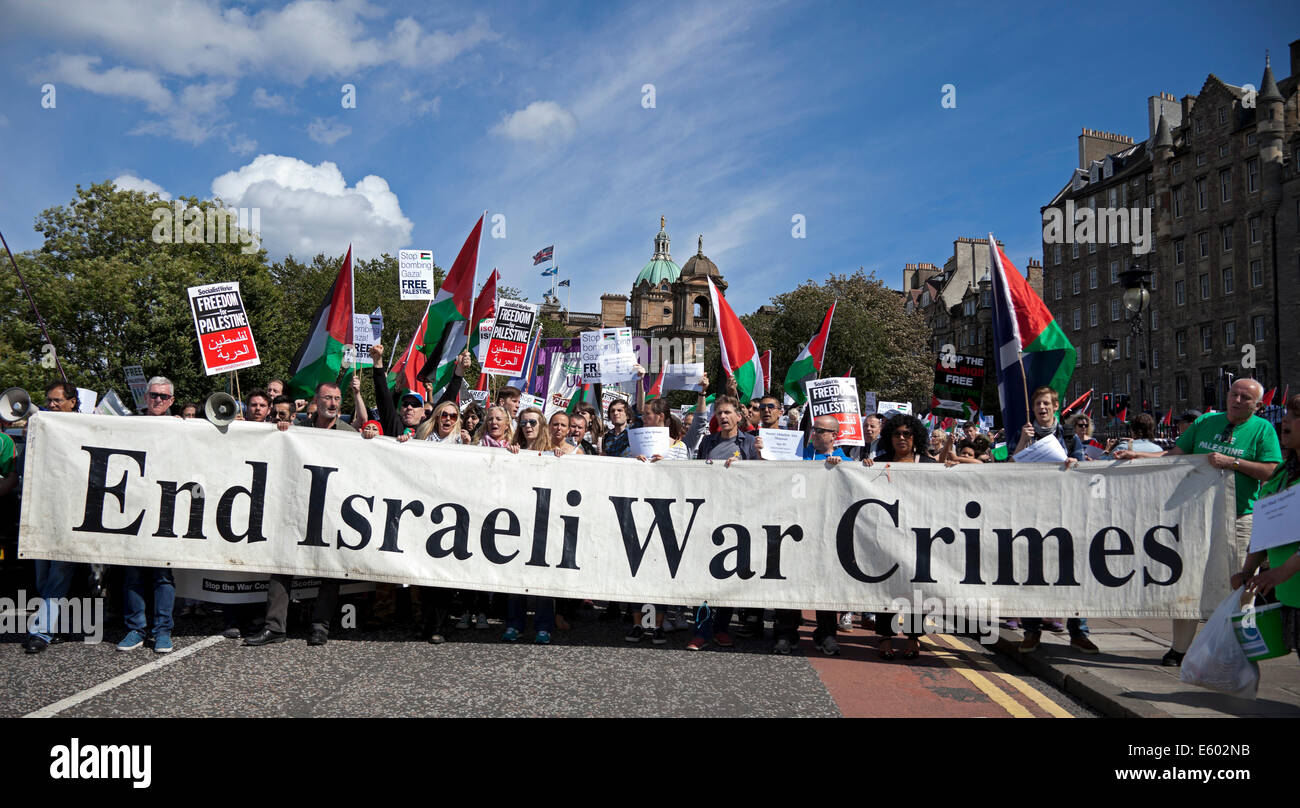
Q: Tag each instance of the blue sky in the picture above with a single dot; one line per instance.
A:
(534, 111)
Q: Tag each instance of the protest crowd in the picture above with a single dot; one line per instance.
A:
(738, 423)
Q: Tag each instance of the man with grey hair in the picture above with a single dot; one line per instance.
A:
(158, 402)
(1239, 440)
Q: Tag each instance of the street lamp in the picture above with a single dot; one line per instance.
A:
(1137, 298)
(1109, 349)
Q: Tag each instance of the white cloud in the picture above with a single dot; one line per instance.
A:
(308, 209)
(302, 39)
(420, 106)
(130, 182)
(327, 132)
(79, 71)
(262, 99)
(195, 116)
(539, 121)
(243, 144)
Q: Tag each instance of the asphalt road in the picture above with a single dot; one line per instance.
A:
(589, 671)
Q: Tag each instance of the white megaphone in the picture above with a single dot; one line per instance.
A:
(220, 409)
(15, 404)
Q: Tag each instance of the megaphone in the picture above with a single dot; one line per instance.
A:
(220, 409)
(15, 404)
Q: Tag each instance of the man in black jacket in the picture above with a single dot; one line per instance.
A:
(409, 412)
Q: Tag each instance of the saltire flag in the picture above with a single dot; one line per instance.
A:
(320, 358)
(1031, 349)
(564, 282)
(1268, 397)
(447, 330)
(739, 354)
(765, 361)
(405, 372)
(1079, 403)
(530, 364)
(485, 306)
(543, 255)
(551, 271)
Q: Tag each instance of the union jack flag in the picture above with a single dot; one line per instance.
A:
(543, 255)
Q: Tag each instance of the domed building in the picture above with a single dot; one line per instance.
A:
(667, 301)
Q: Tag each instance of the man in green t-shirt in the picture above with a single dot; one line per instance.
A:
(1239, 440)
(8, 474)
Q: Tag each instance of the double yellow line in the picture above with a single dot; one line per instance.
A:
(981, 673)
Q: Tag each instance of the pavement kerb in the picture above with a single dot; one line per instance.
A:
(1093, 691)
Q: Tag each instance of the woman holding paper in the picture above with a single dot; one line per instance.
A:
(655, 414)
(1283, 562)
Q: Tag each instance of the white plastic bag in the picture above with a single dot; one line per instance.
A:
(1216, 660)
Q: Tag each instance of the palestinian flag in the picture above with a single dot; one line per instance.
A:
(657, 389)
(448, 318)
(1030, 349)
(320, 358)
(584, 393)
(1268, 397)
(485, 307)
(1080, 404)
(739, 354)
(808, 364)
(1168, 420)
(405, 372)
(970, 410)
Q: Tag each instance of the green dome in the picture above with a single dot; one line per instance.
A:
(658, 271)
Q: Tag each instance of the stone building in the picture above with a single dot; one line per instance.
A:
(1218, 174)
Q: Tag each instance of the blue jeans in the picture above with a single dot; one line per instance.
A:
(53, 580)
(133, 601)
(1076, 626)
(543, 608)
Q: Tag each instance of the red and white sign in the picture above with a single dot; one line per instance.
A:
(838, 396)
(509, 344)
(225, 337)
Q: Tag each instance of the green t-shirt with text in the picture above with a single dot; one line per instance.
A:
(6, 454)
(1253, 441)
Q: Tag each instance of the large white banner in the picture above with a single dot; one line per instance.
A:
(1132, 539)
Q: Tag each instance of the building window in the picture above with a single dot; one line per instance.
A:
(1074, 283)
(1094, 353)
(1226, 233)
(1155, 358)
(1114, 197)
(1200, 159)
(1074, 249)
(1205, 286)
(1092, 277)
(1207, 338)
(1114, 271)
(1092, 314)
(1252, 225)
(1252, 174)
(1257, 273)
(1251, 139)
(1114, 309)
(1180, 342)
(1257, 327)
(1180, 293)
(1078, 318)
(1230, 334)
(1179, 252)
(1181, 384)
(1177, 197)
(1178, 167)
(1223, 149)
(1155, 390)
(1056, 254)
(1128, 346)
(1155, 320)
(1056, 286)
(1203, 244)
(1092, 247)
(1153, 280)
(1223, 115)
(1225, 185)
(1227, 280)
(1199, 126)
(1202, 198)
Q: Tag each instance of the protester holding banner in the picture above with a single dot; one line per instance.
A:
(531, 433)
(470, 418)
(1239, 440)
(494, 431)
(444, 426)
(283, 412)
(1043, 404)
(615, 442)
(903, 435)
(53, 578)
(258, 406)
(658, 414)
(161, 394)
(578, 421)
(1080, 437)
(1142, 433)
(558, 428)
(508, 398)
(1282, 577)
(407, 416)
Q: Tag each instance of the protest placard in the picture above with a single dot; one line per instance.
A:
(868, 402)
(527, 400)
(1275, 520)
(479, 397)
(608, 356)
(86, 399)
(781, 444)
(648, 441)
(510, 334)
(136, 382)
(1047, 450)
(484, 337)
(838, 396)
(688, 376)
(888, 408)
(364, 337)
(225, 337)
(415, 274)
(958, 385)
(110, 404)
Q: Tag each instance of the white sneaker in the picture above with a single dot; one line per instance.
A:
(463, 623)
(481, 623)
(846, 621)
